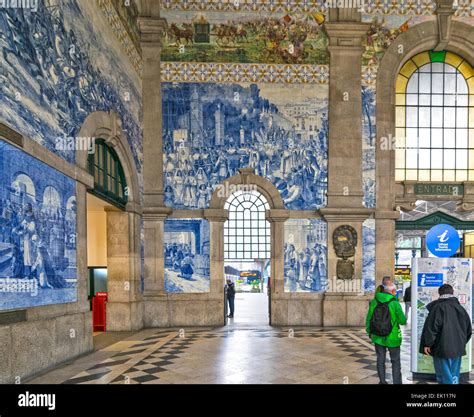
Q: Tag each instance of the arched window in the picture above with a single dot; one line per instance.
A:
(109, 179)
(246, 232)
(435, 119)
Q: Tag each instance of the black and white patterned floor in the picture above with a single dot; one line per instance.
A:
(240, 354)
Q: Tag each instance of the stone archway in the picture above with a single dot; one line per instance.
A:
(422, 37)
(277, 215)
(124, 308)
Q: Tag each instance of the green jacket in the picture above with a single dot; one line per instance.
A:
(394, 339)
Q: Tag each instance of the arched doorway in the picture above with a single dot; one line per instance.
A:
(113, 221)
(247, 254)
(108, 197)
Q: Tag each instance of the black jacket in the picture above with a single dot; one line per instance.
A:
(407, 295)
(230, 290)
(447, 329)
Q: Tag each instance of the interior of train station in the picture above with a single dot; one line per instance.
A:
(218, 192)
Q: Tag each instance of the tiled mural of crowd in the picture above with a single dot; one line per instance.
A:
(212, 130)
(49, 61)
(186, 253)
(37, 232)
(305, 255)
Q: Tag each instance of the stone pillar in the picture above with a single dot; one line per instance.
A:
(344, 302)
(277, 218)
(123, 279)
(151, 32)
(154, 212)
(217, 218)
(345, 114)
(154, 225)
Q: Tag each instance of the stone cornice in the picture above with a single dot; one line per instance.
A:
(346, 34)
(342, 214)
(156, 213)
(151, 31)
(277, 215)
(216, 215)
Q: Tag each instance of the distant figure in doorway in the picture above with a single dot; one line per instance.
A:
(446, 332)
(407, 300)
(383, 327)
(231, 297)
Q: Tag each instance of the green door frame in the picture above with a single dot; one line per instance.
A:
(427, 222)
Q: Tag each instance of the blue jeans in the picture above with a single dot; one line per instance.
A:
(231, 305)
(448, 371)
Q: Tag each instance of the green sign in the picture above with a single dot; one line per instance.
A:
(439, 189)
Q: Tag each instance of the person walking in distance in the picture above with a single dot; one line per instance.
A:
(446, 332)
(383, 322)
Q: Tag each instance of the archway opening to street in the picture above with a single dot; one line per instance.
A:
(247, 254)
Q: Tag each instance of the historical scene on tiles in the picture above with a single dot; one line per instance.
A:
(37, 232)
(368, 145)
(186, 252)
(57, 69)
(368, 255)
(211, 130)
(383, 30)
(258, 37)
(305, 254)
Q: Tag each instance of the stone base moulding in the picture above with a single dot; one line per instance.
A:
(183, 310)
(345, 309)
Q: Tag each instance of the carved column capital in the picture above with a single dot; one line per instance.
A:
(346, 35)
(152, 30)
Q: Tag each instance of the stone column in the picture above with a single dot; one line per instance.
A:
(217, 218)
(154, 226)
(154, 212)
(344, 302)
(279, 310)
(151, 32)
(123, 259)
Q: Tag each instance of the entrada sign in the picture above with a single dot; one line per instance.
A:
(439, 189)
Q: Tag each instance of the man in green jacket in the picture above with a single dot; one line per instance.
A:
(386, 334)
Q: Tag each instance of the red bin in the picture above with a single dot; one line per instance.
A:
(99, 302)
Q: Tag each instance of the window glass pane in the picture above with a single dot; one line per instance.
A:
(449, 83)
(425, 117)
(436, 117)
(436, 138)
(424, 138)
(436, 158)
(412, 87)
(425, 83)
(449, 138)
(449, 158)
(437, 83)
(449, 116)
(461, 85)
(424, 158)
(412, 158)
(461, 138)
(461, 159)
(461, 117)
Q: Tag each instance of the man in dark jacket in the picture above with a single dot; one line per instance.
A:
(407, 300)
(446, 332)
(231, 297)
